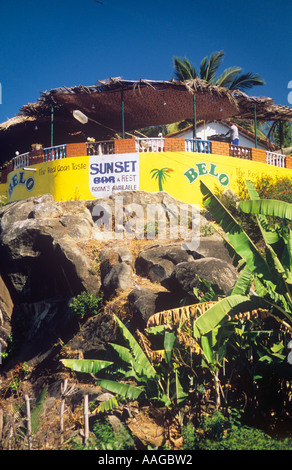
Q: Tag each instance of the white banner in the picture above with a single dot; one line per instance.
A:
(113, 173)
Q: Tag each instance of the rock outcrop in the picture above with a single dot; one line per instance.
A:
(52, 251)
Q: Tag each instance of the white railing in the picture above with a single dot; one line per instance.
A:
(153, 144)
(198, 145)
(101, 148)
(55, 153)
(21, 161)
(239, 151)
(276, 159)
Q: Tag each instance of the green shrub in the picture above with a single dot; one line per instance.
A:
(85, 304)
(218, 433)
(107, 439)
(280, 189)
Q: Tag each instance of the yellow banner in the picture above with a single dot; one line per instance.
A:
(178, 173)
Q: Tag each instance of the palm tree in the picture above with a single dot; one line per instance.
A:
(161, 175)
(231, 78)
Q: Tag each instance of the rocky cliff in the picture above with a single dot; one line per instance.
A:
(52, 251)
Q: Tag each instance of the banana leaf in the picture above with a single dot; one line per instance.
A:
(125, 390)
(123, 352)
(270, 236)
(225, 308)
(87, 366)
(280, 209)
(169, 340)
(139, 355)
(272, 207)
(239, 240)
(180, 395)
(243, 283)
(108, 405)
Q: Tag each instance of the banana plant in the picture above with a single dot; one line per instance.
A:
(270, 274)
(134, 366)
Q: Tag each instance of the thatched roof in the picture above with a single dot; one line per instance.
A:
(146, 103)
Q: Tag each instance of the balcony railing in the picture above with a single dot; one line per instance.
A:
(101, 148)
(276, 159)
(155, 144)
(55, 153)
(240, 152)
(138, 145)
(21, 161)
(198, 145)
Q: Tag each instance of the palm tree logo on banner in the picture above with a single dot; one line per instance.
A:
(161, 176)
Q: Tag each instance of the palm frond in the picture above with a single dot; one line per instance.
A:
(228, 76)
(184, 70)
(209, 66)
(246, 81)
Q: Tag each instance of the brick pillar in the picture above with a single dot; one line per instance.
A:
(125, 145)
(174, 145)
(258, 155)
(36, 156)
(76, 150)
(219, 148)
(288, 161)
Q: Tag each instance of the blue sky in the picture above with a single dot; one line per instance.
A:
(55, 43)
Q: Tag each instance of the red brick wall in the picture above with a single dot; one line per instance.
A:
(174, 145)
(219, 148)
(76, 150)
(4, 174)
(125, 145)
(259, 155)
(36, 157)
(288, 161)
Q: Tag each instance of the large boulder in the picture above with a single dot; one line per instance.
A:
(6, 310)
(188, 275)
(40, 251)
(44, 266)
(116, 269)
(158, 262)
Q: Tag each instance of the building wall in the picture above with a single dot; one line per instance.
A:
(203, 132)
(179, 174)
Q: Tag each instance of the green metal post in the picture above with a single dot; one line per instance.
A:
(123, 114)
(281, 134)
(195, 119)
(255, 126)
(52, 126)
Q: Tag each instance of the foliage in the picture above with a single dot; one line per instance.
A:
(216, 432)
(85, 304)
(108, 439)
(104, 437)
(3, 201)
(271, 274)
(231, 78)
(37, 410)
(279, 188)
(131, 374)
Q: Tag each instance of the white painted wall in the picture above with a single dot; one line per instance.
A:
(203, 132)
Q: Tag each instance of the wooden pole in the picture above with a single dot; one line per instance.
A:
(86, 419)
(62, 410)
(28, 418)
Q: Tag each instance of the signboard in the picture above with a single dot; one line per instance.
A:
(113, 173)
